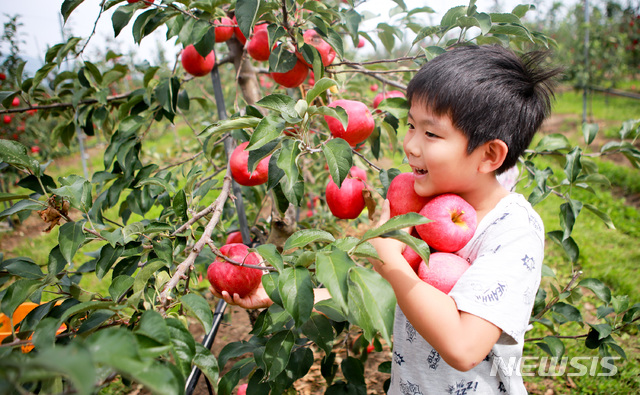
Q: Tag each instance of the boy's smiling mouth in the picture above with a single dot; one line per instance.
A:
(418, 171)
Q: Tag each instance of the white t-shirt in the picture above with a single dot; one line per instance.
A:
(500, 286)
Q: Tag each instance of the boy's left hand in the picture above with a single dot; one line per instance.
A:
(389, 250)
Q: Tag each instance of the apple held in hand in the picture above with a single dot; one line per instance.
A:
(402, 197)
(454, 222)
(226, 276)
(239, 163)
(443, 271)
(412, 258)
(360, 125)
(196, 64)
(347, 201)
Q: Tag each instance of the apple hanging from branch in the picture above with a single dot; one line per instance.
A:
(226, 276)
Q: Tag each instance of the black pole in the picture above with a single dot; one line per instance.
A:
(193, 378)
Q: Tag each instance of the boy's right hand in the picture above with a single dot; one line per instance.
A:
(257, 299)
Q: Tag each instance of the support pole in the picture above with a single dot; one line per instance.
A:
(585, 92)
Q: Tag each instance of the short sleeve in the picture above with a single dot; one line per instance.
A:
(501, 284)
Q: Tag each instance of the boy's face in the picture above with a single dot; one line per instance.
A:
(437, 154)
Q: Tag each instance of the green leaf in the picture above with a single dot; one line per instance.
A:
(604, 330)
(337, 153)
(119, 286)
(167, 94)
(246, 13)
(77, 190)
(281, 104)
(68, 6)
(396, 223)
(552, 346)
(230, 124)
(152, 325)
(17, 293)
(73, 361)
(270, 285)
(565, 313)
(70, 238)
(569, 212)
(305, 236)
(121, 18)
(206, 362)
(23, 205)
(318, 88)
(318, 328)
(450, 18)
(296, 291)
(600, 214)
(396, 106)
(268, 129)
(553, 142)
(568, 244)
(589, 131)
(144, 274)
(598, 287)
(7, 197)
(14, 153)
(108, 256)
(180, 204)
(270, 253)
(277, 352)
(332, 269)
(23, 267)
(158, 181)
(288, 161)
(371, 303)
(199, 308)
(573, 167)
(56, 262)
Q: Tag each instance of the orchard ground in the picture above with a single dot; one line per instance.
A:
(236, 326)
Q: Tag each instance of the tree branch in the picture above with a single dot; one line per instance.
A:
(216, 207)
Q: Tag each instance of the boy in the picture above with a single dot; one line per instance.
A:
(473, 112)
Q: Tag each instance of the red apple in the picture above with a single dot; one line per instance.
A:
(242, 389)
(239, 163)
(443, 271)
(361, 42)
(293, 77)
(234, 237)
(7, 119)
(35, 149)
(373, 87)
(258, 47)
(327, 53)
(454, 223)
(226, 276)
(385, 95)
(312, 79)
(412, 258)
(15, 102)
(347, 201)
(402, 197)
(370, 348)
(195, 64)
(357, 172)
(3, 76)
(225, 32)
(360, 124)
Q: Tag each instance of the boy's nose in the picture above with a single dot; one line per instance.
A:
(411, 146)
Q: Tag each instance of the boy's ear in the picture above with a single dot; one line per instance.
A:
(495, 151)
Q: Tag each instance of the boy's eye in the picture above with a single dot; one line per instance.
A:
(429, 134)
(410, 126)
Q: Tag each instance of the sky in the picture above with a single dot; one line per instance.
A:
(42, 26)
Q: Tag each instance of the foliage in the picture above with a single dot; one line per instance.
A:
(151, 226)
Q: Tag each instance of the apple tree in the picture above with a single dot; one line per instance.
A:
(147, 226)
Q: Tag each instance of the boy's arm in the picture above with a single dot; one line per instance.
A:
(462, 339)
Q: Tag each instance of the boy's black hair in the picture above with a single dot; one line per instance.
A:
(489, 93)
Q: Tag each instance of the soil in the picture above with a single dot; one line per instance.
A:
(236, 325)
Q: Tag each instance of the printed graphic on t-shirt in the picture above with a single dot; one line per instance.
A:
(411, 332)
(397, 358)
(463, 388)
(501, 387)
(408, 388)
(433, 359)
(493, 294)
(529, 263)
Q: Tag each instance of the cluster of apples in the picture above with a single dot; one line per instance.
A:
(453, 225)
